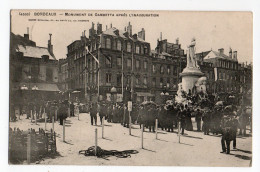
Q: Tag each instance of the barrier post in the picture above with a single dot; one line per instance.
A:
(156, 128)
(35, 116)
(142, 136)
(179, 130)
(29, 148)
(103, 127)
(53, 123)
(64, 130)
(56, 114)
(130, 125)
(45, 120)
(31, 115)
(96, 142)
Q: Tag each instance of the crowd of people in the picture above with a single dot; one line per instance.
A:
(210, 118)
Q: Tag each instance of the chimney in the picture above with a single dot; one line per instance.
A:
(160, 36)
(221, 51)
(177, 41)
(230, 53)
(141, 34)
(235, 55)
(129, 29)
(99, 28)
(92, 30)
(26, 36)
(135, 36)
(50, 46)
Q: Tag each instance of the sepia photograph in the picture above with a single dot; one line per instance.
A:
(130, 88)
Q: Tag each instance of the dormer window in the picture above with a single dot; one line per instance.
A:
(119, 45)
(129, 47)
(108, 43)
(137, 49)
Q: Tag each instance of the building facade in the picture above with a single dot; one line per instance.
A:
(33, 71)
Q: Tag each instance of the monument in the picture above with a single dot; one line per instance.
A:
(192, 72)
(193, 79)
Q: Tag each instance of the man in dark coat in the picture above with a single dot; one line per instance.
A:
(72, 109)
(206, 121)
(198, 117)
(93, 113)
(182, 118)
(226, 138)
(62, 112)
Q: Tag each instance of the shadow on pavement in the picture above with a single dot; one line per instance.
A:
(149, 150)
(107, 139)
(244, 157)
(192, 137)
(162, 140)
(68, 143)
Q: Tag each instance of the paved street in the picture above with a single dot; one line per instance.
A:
(195, 149)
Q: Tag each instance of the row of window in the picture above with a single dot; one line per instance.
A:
(139, 82)
(164, 69)
(118, 45)
(223, 75)
(108, 62)
(227, 64)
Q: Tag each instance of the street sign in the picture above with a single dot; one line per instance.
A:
(129, 105)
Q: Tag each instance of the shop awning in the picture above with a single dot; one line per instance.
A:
(39, 86)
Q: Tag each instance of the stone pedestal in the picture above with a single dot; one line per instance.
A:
(190, 76)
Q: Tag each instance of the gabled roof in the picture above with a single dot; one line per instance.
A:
(214, 54)
(34, 52)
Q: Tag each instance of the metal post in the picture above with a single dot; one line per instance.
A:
(29, 148)
(64, 130)
(53, 123)
(142, 136)
(96, 142)
(179, 130)
(35, 116)
(130, 125)
(78, 111)
(45, 120)
(103, 127)
(31, 116)
(68, 112)
(56, 114)
(156, 128)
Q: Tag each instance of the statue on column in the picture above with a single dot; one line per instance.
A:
(191, 57)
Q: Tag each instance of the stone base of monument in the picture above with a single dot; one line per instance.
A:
(190, 76)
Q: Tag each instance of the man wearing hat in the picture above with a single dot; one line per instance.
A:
(226, 125)
(198, 117)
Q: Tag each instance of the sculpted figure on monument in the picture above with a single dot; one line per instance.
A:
(191, 58)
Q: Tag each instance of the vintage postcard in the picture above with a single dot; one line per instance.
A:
(131, 88)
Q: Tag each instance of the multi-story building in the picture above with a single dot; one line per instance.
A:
(33, 70)
(168, 60)
(113, 57)
(63, 75)
(225, 75)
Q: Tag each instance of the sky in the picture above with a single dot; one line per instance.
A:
(212, 30)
